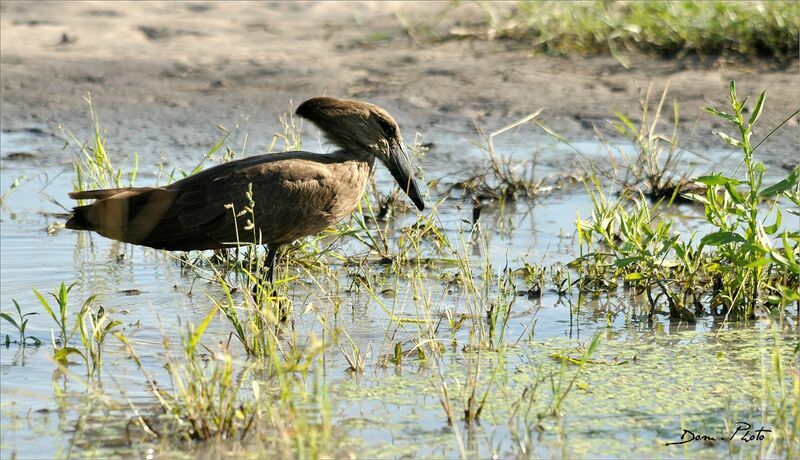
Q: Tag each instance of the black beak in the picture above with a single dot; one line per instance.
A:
(400, 168)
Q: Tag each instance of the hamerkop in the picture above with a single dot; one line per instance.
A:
(295, 193)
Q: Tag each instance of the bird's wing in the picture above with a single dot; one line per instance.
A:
(268, 202)
(293, 194)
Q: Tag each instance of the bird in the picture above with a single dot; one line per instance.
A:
(271, 199)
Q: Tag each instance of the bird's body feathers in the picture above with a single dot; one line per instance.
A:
(295, 194)
(269, 199)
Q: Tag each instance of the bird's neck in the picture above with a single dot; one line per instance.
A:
(357, 155)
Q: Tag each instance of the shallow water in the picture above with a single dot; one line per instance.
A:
(645, 384)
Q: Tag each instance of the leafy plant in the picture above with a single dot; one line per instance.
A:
(20, 324)
(92, 326)
(744, 241)
(93, 336)
(745, 262)
(59, 314)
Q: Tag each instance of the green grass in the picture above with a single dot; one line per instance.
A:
(508, 180)
(758, 29)
(653, 171)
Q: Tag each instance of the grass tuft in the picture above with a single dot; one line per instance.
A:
(707, 29)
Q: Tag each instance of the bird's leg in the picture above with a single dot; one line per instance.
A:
(270, 266)
(272, 258)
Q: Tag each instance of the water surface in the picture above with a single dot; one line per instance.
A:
(646, 383)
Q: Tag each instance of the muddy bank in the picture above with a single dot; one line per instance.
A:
(162, 75)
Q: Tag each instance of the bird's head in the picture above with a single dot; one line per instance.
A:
(364, 128)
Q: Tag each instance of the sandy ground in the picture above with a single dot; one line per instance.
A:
(164, 74)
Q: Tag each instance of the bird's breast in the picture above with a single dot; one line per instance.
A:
(319, 201)
(345, 188)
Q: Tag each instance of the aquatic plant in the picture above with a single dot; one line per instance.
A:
(782, 394)
(205, 401)
(15, 185)
(744, 242)
(262, 315)
(94, 335)
(506, 179)
(93, 166)
(20, 324)
(653, 171)
(93, 328)
(207, 395)
(263, 402)
(743, 264)
(60, 316)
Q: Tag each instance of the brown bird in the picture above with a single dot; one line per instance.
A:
(296, 193)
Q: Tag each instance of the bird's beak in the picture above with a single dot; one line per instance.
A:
(400, 167)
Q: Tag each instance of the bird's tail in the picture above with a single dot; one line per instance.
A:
(100, 194)
(78, 219)
(124, 214)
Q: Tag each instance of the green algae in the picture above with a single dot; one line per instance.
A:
(630, 399)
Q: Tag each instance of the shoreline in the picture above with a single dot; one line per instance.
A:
(163, 76)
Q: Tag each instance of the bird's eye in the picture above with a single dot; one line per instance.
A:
(389, 129)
